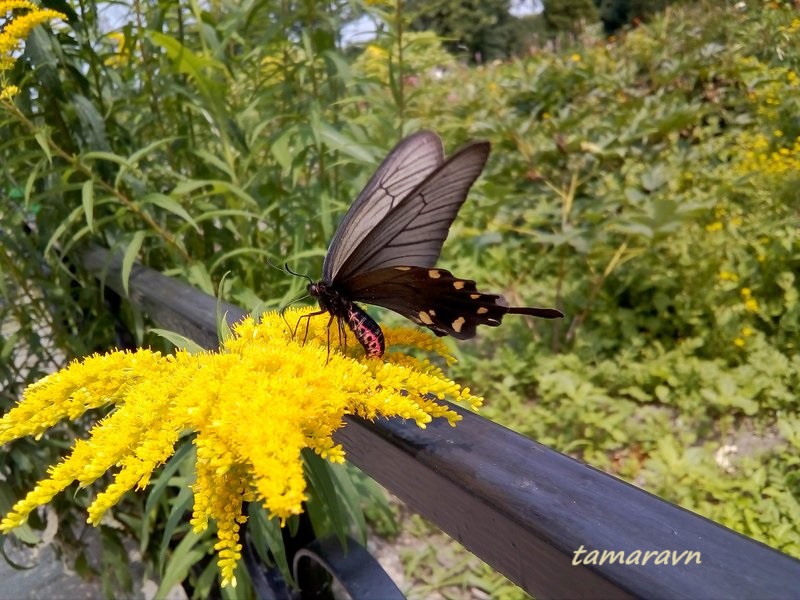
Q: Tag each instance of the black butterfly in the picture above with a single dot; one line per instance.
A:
(387, 245)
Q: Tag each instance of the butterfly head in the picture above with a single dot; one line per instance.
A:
(328, 298)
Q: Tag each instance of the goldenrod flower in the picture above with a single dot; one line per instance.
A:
(8, 92)
(750, 303)
(13, 29)
(715, 226)
(253, 407)
(728, 276)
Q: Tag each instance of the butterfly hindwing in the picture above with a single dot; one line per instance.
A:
(431, 297)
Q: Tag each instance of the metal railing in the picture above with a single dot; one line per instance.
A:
(522, 507)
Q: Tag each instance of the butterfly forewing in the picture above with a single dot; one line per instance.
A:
(413, 231)
(411, 161)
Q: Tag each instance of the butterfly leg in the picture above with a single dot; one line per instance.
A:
(330, 321)
(342, 335)
(308, 321)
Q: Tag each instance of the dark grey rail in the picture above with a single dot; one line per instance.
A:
(521, 507)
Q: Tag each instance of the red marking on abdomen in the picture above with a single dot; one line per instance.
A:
(366, 330)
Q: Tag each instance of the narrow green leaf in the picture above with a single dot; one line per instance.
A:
(24, 532)
(337, 141)
(131, 252)
(329, 507)
(179, 341)
(198, 276)
(267, 535)
(215, 162)
(180, 509)
(62, 227)
(188, 62)
(31, 180)
(185, 451)
(223, 329)
(281, 149)
(187, 187)
(87, 198)
(92, 123)
(41, 139)
(142, 152)
(188, 552)
(109, 156)
(171, 205)
(351, 498)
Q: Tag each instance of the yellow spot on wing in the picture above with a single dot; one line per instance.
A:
(458, 324)
(402, 268)
(483, 310)
(474, 296)
(425, 318)
(459, 285)
(434, 274)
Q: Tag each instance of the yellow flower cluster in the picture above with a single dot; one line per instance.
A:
(13, 29)
(750, 303)
(769, 159)
(793, 27)
(742, 339)
(252, 407)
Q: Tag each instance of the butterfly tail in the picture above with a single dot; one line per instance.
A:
(542, 313)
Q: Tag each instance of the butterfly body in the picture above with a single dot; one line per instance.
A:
(386, 247)
(367, 331)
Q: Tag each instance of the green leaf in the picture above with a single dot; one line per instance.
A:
(109, 156)
(131, 252)
(181, 507)
(93, 125)
(337, 141)
(188, 62)
(185, 451)
(43, 140)
(188, 553)
(87, 198)
(267, 534)
(179, 341)
(171, 205)
(325, 506)
(24, 532)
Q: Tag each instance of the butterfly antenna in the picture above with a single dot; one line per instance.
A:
(288, 270)
(274, 266)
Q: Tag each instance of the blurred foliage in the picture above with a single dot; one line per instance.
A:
(570, 15)
(645, 184)
(477, 30)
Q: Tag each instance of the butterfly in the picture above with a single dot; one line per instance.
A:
(386, 247)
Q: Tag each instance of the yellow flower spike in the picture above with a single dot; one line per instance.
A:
(19, 26)
(69, 393)
(299, 392)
